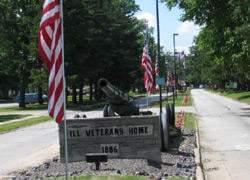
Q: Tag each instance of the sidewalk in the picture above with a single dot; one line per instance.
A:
(224, 128)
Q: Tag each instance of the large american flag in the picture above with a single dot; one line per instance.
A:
(148, 70)
(50, 50)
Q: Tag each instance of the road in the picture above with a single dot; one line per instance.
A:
(224, 128)
(32, 145)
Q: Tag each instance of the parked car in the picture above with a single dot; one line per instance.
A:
(31, 98)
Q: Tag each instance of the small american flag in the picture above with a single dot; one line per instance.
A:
(148, 70)
(183, 58)
(50, 50)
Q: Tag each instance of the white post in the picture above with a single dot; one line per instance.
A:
(64, 95)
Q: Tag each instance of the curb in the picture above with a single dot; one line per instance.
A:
(197, 152)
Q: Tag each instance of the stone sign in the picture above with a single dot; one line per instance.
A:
(136, 137)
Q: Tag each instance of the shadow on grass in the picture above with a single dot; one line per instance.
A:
(9, 117)
(244, 97)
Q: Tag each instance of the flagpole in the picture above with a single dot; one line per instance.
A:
(147, 101)
(64, 95)
(148, 53)
(159, 61)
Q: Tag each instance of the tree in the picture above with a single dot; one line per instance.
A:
(18, 24)
(225, 39)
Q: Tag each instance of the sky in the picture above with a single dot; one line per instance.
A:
(169, 23)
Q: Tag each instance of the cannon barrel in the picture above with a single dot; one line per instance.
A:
(115, 95)
(118, 101)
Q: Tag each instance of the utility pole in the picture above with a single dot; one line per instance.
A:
(175, 74)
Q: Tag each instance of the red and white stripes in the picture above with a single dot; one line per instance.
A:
(50, 50)
(148, 70)
(157, 73)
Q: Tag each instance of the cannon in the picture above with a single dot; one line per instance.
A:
(118, 102)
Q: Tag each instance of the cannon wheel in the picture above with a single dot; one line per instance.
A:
(108, 111)
(105, 111)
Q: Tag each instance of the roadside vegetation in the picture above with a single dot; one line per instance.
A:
(11, 117)
(243, 96)
(183, 99)
(29, 107)
(4, 128)
(190, 121)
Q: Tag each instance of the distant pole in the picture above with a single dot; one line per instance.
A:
(175, 79)
(159, 61)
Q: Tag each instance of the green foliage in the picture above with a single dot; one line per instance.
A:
(222, 46)
(102, 41)
(38, 78)
(18, 27)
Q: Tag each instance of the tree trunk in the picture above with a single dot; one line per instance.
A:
(90, 91)
(40, 95)
(74, 94)
(81, 93)
(22, 87)
(96, 94)
(67, 94)
(22, 96)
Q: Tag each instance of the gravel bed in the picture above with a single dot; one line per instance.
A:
(178, 161)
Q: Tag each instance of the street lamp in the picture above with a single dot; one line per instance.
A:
(175, 34)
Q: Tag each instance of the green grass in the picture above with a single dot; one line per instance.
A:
(29, 107)
(190, 121)
(103, 178)
(178, 101)
(20, 124)
(10, 117)
(134, 94)
(179, 178)
(240, 96)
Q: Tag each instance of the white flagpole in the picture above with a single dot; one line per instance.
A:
(147, 101)
(64, 95)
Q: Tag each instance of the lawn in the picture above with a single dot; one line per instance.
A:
(179, 100)
(10, 117)
(240, 96)
(190, 121)
(29, 107)
(4, 128)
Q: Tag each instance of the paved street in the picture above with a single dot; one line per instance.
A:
(224, 127)
(32, 145)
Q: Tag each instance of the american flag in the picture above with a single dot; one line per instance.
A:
(157, 72)
(148, 70)
(50, 50)
(183, 58)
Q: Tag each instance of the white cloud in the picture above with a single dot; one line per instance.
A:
(182, 48)
(150, 18)
(188, 28)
